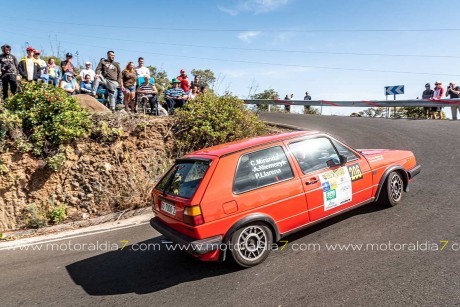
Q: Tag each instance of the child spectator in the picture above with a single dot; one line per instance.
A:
(192, 94)
(54, 72)
(86, 86)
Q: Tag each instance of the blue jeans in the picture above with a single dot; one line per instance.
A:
(54, 81)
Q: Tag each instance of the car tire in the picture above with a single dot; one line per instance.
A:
(392, 190)
(251, 244)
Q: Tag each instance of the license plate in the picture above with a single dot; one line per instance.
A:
(166, 207)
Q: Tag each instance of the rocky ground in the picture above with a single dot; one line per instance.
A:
(112, 171)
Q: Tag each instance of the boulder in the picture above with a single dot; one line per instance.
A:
(90, 103)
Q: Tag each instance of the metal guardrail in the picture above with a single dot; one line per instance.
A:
(360, 103)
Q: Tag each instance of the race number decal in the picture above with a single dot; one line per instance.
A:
(355, 172)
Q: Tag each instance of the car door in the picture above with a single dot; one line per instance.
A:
(331, 183)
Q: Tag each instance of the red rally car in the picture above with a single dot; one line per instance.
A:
(239, 198)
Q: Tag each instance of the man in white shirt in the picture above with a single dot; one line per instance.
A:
(87, 71)
(141, 70)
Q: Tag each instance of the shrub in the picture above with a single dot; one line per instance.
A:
(36, 217)
(57, 214)
(48, 117)
(210, 120)
(55, 162)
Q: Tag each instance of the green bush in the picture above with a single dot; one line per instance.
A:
(48, 116)
(57, 214)
(36, 217)
(209, 120)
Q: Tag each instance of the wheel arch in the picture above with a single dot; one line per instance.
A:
(397, 168)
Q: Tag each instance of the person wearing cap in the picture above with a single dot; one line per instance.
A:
(181, 75)
(87, 71)
(428, 94)
(454, 92)
(175, 96)
(66, 65)
(108, 73)
(43, 67)
(436, 112)
(8, 71)
(28, 69)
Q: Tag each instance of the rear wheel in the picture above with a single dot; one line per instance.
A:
(251, 244)
(392, 190)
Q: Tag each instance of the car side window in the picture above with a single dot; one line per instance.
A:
(261, 168)
(313, 154)
(351, 156)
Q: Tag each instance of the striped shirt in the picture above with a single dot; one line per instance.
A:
(175, 92)
(146, 88)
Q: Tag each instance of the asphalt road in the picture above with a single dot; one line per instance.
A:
(428, 215)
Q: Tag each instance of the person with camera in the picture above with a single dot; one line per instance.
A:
(454, 92)
(9, 71)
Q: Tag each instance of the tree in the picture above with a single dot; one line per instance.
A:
(205, 77)
(266, 94)
(373, 112)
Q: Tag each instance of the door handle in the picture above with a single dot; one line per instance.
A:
(312, 181)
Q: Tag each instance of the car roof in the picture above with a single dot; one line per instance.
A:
(227, 148)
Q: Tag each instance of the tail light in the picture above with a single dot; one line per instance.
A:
(193, 216)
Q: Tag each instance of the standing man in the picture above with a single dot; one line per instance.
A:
(454, 92)
(8, 71)
(287, 107)
(66, 65)
(427, 94)
(306, 108)
(108, 72)
(87, 71)
(28, 69)
(141, 70)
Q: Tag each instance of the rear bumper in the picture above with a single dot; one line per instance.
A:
(414, 171)
(185, 243)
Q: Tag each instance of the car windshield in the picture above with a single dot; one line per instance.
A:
(183, 178)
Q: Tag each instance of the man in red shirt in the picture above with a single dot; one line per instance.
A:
(184, 83)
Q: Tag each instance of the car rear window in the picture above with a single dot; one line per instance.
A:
(261, 168)
(183, 178)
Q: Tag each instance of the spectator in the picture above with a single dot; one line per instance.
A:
(192, 94)
(28, 68)
(203, 89)
(8, 71)
(87, 71)
(108, 72)
(69, 84)
(175, 96)
(43, 67)
(148, 92)
(86, 86)
(141, 70)
(181, 75)
(195, 82)
(287, 108)
(428, 94)
(128, 86)
(306, 97)
(436, 112)
(185, 84)
(54, 72)
(454, 92)
(66, 65)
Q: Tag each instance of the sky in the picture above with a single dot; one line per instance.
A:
(292, 46)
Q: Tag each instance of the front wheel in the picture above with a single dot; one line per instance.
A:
(251, 244)
(392, 189)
